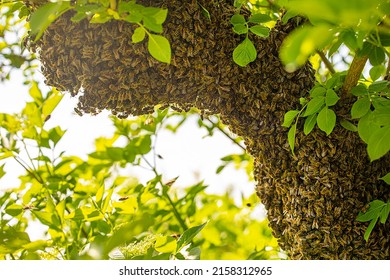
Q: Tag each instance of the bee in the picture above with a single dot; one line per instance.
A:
(78, 112)
(28, 207)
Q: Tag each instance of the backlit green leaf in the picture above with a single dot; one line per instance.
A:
(45, 15)
(244, 53)
(51, 103)
(310, 123)
(159, 48)
(165, 244)
(14, 210)
(138, 35)
(289, 117)
(188, 235)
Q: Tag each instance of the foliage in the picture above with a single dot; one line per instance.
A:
(90, 209)
(333, 35)
(361, 28)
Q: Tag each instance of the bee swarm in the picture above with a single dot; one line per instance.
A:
(313, 200)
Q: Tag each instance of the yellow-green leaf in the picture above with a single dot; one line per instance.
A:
(159, 48)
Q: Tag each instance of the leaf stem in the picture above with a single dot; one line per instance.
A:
(113, 5)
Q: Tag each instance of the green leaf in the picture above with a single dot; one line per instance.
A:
(367, 126)
(289, 117)
(35, 245)
(159, 15)
(348, 125)
(45, 15)
(99, 195)
(45, 218)
(237, 19)
(159, 48)
(205, 12)
(14, 210)
(379, 143)
(244, 53)
(259, 18)
(303, 42)
(2, 172)
(310, 123)
(51, 103)
(36, 93)
(376, 56)
(291, 137)
(318, 91)
(240, 29)
(314, 105)
(331, 97)
(359, 90)
(134, 17)
(115, 153)
(326, 120)
(377, 71)
(378, 86)
(385, 213)
(55, 134)
(138, 35)
(369, 229)
(260, 30)
(187, 236)
(360, 107)
(151, 24)
(372, 212)
(165, 244)
(386, 178)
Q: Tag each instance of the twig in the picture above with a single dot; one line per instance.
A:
(235, 141)
(326, 61)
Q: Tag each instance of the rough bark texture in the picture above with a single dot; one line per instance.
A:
(313, 199)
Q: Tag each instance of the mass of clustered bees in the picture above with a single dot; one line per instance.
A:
(313, 199)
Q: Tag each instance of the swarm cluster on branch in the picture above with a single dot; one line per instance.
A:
(312, 199)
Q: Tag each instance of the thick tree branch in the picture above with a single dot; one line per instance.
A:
(353, 75)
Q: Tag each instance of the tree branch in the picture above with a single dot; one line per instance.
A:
(353, 75)
(326, 61)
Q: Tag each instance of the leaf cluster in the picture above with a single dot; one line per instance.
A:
(246, 52)
(316, 109)
(90, 208)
